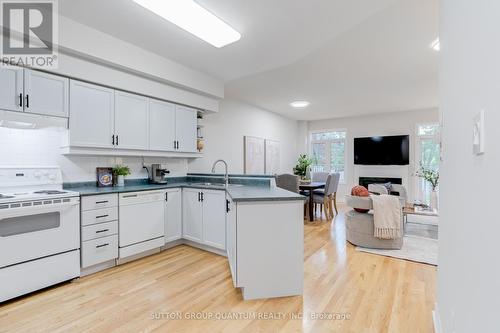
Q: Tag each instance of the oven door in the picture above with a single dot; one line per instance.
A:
(28, 233)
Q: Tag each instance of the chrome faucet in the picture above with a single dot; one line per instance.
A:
(226, 177)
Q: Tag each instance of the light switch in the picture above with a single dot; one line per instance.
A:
(478, 134)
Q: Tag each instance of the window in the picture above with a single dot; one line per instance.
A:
(328, 152)
(429, 155)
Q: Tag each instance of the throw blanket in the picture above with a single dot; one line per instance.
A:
(387, 216)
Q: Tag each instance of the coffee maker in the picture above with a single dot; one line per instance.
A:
(158, 174)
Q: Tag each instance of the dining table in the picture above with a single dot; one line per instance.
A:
(310, 187)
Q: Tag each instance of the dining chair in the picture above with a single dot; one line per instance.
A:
(290, 183)
(328, 199)
(319, 176)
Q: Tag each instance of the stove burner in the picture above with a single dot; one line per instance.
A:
(3, 196)
(50, 192)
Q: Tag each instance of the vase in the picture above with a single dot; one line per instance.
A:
(120, 181)
(308, 173)
(434, 200)
(200, 144)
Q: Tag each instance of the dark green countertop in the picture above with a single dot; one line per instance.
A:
(237, 192)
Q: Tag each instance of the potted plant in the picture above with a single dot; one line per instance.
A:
(431, 176)
(120, 171)
(302, 167)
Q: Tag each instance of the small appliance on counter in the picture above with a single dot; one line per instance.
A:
(158, 173)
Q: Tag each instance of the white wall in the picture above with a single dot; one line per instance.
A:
(469, 270)
(397, 123)
(41, 147)
(224, 132)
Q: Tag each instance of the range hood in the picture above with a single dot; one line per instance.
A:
(24, 120)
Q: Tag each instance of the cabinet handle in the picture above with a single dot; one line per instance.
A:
(199, 196)
(202, 196)
(113, 140)
(166, 196)
(103, 230)
(101, 216)
(227, 206)
(21, 100)
(101, 202)
(130, 196)
(117, 139)
(27, 101)
(102, 245)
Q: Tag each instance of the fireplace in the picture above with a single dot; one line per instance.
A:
(365, 181)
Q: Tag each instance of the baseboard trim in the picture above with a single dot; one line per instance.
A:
(205, 247)
(143, 254)
(436, 319)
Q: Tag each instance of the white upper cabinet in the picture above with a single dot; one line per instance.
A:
(91, 120)
(161, 126)
(186, 128)
(131, 121)
(11, 88)
(46, 94)
(214, 218)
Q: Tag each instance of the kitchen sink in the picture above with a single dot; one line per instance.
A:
(216, 185)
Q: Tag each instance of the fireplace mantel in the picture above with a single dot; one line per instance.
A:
(383, 171)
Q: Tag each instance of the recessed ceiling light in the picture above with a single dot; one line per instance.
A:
(435, 45)
(300, 104)
(195, 19)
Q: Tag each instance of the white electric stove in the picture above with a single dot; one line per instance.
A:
(39, 230)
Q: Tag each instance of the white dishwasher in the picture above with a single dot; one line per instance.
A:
(142, 222)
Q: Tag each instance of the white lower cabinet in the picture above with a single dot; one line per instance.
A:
(265, 248)
(214, 218)
(204, 217)
(173, 215)
(192, 215)
(99, 250)
(99, 229)
(231, 240)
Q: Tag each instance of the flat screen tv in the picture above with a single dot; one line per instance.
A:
(382, 150)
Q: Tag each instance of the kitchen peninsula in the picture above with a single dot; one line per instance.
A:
(258, 226)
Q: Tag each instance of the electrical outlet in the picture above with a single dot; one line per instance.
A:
(119, 160)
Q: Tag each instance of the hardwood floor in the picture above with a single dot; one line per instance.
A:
(360, 292)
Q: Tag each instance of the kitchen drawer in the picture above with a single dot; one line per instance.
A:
(99, 215)
(99, 230)
(99, 250)
(99, 201)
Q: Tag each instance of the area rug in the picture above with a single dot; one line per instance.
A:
(419, 249)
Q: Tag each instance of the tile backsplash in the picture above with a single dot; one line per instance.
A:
(42, 147)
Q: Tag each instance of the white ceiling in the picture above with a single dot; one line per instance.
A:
(347, 57)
